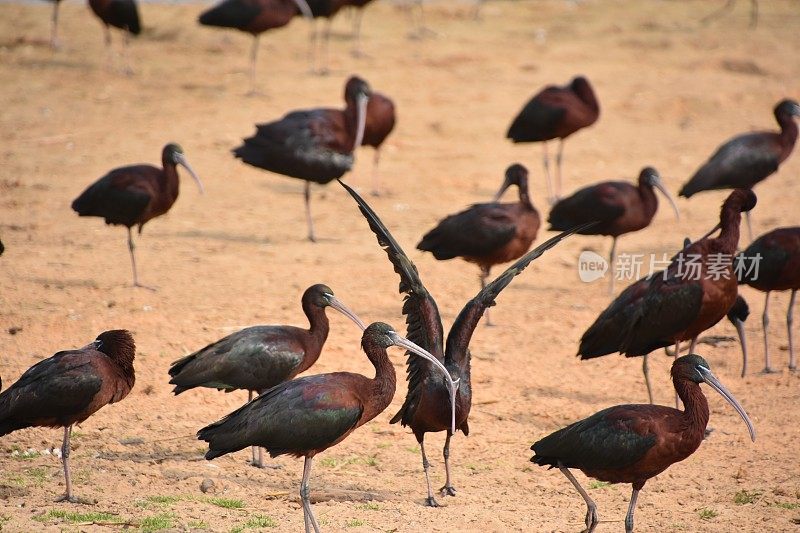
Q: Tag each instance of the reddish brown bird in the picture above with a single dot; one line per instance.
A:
(314, 145)
(259, 357)
(772, 263)
(68, 388)
(379, 124)
(748, 159)
(621, 206)
(488, 234)
(633, 443)
(254, 17)
(132, 195)
(425, 408)
(122, 14)
(555, 113)
(308, 415)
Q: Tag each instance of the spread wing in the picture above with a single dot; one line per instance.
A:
(461, 332)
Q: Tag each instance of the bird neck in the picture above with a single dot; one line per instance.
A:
(587, 96)
(788, 135)
(730, 220)
(695, 404)
(170, 183)
(385, 382)
(649, 199)
(523, 194)
(318, 324)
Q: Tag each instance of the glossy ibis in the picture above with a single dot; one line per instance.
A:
(747, 159)
(424, 409)
(633, 443)
(308, 415)
(259, 357)
(696, 291)
(776, 258)
(555, 113)
(379, 124)
(68, 388)
(488, 234)
(727, 7)
(133, 195)
(359, 6)
(122, 14)
(254, 17)
(621, 206)
(312, 145)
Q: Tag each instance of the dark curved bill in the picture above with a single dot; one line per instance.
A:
(714, 383)
(339, 306)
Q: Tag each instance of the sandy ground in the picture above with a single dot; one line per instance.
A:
(671, 90)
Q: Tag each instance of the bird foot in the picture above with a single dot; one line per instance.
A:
(447, 490)
(430, 501)
(273, 466)
(591, 520)
(75, 499)
(792, 368)
(358, 54)
(148, 287)
(769, 370)
(254, 93)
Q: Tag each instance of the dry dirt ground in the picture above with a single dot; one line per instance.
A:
(671, 90)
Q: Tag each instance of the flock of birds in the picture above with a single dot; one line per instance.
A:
(307, 415)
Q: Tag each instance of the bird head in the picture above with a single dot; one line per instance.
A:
(650, 176)
(174, 154)
(516, 174)
(788, 108)
(322, 296)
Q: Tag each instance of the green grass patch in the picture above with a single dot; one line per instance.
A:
(370, 506)
(15, 480)
(787, 505)
(37, 475)
(354, 523)
(744, 497)
(227, 503)
(157, 522)
(259, 521)
(25, 455)
(197, 524)
(707, 514)
(58, 514)
(594, 484)
(155, 502)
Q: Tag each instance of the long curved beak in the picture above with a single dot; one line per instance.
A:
(361, 105)
(740, 331)
(185, 164)
(500, 192)
(339, 306)
(660, 186)
(715, 228)
(305, 10)
(402, 342)
(714, 383)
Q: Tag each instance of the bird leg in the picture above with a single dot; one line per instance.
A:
(675, 356)
(646, 372)
(311, 236)
(631, 509)
(765, 326)
(430, 501)
(308, 514)
(126, 59)
(484, 276)
(789, 320)
(131, 248)
(312, 47)
(356, 52)
(559, 157)
(326, 40)
(376, 159)
(448, 489)
(546, 164)
(611, 256)
(54, 44)
(692, 345)
(714, 14)
(256, 451)
(591, 508)
(753, 14)
(67, 497)
(253, 57)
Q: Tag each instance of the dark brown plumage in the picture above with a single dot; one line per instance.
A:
(69, 387)
(775, 258)
(488, 234)
(379, 124)
(259, 357)
(555, 113)
(306, 416)
(133, 195)
(425, 408)
(122, 14)
(633, 443)
(314, 145)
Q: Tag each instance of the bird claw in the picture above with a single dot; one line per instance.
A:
(256, 464)
(430, 501)
(769, 370)
(447, 490)
(75, 499)
(148, 287)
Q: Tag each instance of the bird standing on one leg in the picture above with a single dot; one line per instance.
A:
(133, 195)
(68, 388)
